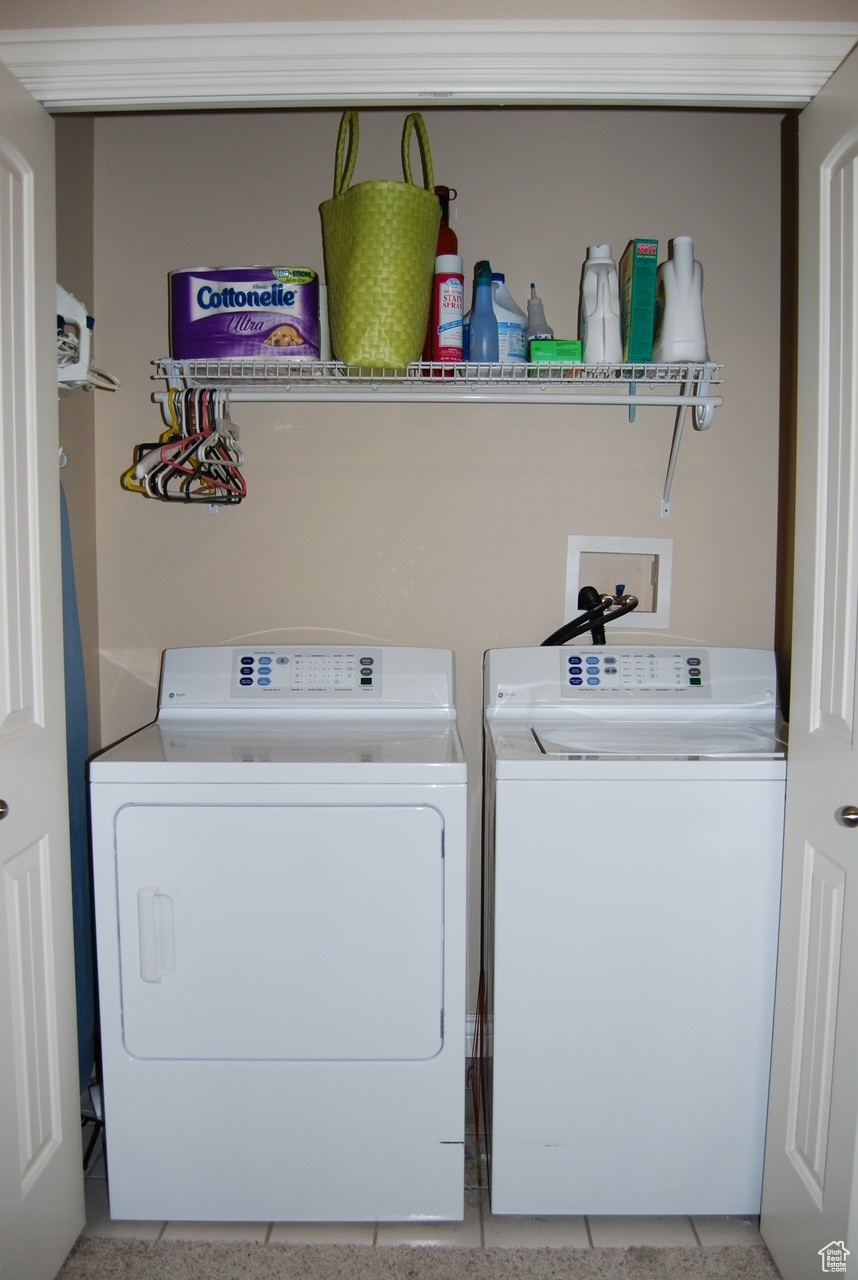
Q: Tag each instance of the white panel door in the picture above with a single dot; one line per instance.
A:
(809, 1199)
(280, 931)
(41, 1181)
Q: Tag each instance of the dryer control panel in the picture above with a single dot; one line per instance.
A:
(306, 679)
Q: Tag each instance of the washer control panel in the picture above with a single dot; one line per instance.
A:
(662, 680)
(645, 671)
(311, 673)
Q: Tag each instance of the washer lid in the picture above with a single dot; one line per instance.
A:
(662, 739)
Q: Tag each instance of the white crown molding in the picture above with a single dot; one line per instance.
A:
(758, 64)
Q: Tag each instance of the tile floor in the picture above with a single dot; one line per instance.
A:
(480, 1228)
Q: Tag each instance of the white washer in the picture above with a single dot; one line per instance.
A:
(634, 829)
(279, 871)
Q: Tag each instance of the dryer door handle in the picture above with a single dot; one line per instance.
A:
(154, 933)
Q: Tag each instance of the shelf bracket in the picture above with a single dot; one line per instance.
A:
(679, 427)
(704, 414)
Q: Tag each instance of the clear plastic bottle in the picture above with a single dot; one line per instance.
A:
(512, 323)
(600, 331)
(483, 327)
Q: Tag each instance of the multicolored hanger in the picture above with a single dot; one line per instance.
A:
(197, 459)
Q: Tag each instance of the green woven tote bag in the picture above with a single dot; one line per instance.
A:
(379, 241)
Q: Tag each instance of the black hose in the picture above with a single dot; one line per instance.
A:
(589, 598)
(610, 607)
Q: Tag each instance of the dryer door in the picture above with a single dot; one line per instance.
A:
(281, 931)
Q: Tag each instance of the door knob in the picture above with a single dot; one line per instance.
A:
(4, 809)
(847, 815)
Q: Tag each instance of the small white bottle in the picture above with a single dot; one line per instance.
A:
(537, 325)
(599, 330)
(680, 332)
(512, 323)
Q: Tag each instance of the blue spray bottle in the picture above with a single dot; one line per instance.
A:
(483, 336)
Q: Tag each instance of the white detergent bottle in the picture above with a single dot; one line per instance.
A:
(512, 323)
(599, 331)
(680, 333)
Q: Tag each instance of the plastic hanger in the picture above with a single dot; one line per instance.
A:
(197, 459)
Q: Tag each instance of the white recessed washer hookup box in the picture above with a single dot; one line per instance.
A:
(643, 567)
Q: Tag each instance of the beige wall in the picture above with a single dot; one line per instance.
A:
(433, 524)
(55, 13)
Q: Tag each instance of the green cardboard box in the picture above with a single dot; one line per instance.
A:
(555, 351)
(638, 273)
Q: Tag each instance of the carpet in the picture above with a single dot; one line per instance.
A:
(96, 1258)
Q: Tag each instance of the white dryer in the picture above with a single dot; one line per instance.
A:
(279, 873)
(634, 829)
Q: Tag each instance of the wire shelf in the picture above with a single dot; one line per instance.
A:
(272, 379)
(682, 386)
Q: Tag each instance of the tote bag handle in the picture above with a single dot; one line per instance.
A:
(414, 123)
(348, 138)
